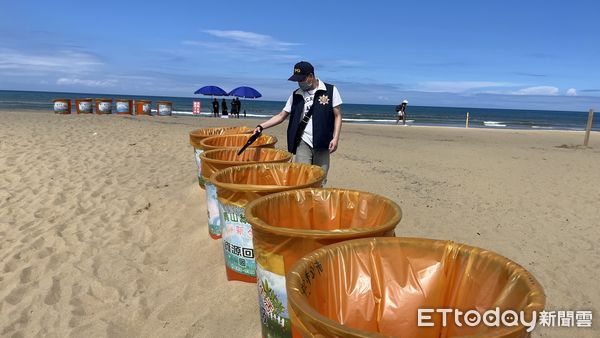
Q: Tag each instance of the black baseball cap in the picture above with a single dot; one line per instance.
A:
(301, 70)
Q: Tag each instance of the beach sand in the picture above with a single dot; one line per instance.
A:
(103, 226)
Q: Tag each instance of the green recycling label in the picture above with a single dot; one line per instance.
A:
(197, 153)
(272, 299)
(212, 208)
(237, 240)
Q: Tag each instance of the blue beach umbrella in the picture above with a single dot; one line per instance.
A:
(245, 92)
(211, 90)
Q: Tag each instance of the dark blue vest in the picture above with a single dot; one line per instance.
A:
(322, 119)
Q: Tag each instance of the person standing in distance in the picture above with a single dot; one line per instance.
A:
(224, 108)
(315, 113)
(215, 105)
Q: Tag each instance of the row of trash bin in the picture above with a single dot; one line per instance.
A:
(105, 106)
(325, 260)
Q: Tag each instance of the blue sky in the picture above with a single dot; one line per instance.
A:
(497, 54)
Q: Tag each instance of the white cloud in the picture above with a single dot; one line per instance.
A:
(89, 83)
(63, 61)
(252, 40)
(571, 92)
(247, 46)
(539, 90)
(458, 86)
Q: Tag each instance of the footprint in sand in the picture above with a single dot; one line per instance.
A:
(11, 266)
(25, 276)
(45, 252)
(15, 296)
(53, 295)
(38, 243)
(56, 261)
(60, 199)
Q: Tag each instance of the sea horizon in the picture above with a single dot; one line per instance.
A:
(493, 118)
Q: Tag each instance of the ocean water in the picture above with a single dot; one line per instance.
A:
(352, 113)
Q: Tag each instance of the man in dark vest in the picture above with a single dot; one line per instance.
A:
(315, 113)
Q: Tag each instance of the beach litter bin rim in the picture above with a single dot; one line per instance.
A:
(205, 155)
(259, 224)
(197, 135)
(299, 304)
(207, 147)
(242, 187)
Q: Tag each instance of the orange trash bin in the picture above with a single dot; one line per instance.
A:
(164, 108)
(196, 136)
(288, 225)
(236, 186)
(103, 106)
(219, 159)
(84, 106)
(142, 107)
(62, 106)
(379, 287)
(123, 106)
(237, 141)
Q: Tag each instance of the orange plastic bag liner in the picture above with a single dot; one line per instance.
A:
(196, 136)
(237, 141)
(219, 159)
(374, 288)
(236, 187)
(288, 225)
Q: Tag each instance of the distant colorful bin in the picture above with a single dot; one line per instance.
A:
(164, 108)
(123, 106)
(62, 106)
(84, 106)
(103, 106)
(142, 107)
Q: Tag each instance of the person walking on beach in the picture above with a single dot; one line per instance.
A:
(215, 104)
(224, 108)
(401, 111)
(315, 113)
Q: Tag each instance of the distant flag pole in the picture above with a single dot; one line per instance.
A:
(588, 128)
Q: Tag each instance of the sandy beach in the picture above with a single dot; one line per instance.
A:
(103, 226)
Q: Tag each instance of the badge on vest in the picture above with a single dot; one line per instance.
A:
(324, 99)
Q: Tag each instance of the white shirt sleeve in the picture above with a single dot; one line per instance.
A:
(337, 99)
(288, 104)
